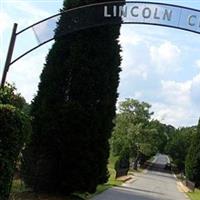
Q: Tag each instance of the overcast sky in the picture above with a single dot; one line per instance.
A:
(160, 65)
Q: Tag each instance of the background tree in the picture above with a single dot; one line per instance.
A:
(160, 135)
(193, 159)
(132, 130)
(9, 95)
(178, 146)
(14, 133)
(73, 110)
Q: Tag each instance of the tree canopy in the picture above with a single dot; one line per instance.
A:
(135, 132)
(193, 159)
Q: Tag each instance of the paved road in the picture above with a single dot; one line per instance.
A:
(155, 184)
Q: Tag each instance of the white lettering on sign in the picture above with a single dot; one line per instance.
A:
(146, 13)
(153, 13)
(123, 11)
(106, 12)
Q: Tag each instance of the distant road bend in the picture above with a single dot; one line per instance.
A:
(156, 184)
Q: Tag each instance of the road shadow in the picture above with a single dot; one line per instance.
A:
(157, 170)
(157, 167)
(126, 193)
(139, 190)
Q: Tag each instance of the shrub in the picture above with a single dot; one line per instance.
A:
(122, 164)
(14, 129)
(9, 95)
(193, 159)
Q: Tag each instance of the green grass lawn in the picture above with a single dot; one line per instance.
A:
(18, 186)
(194, 195)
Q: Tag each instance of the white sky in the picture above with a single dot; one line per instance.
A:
(160, 65)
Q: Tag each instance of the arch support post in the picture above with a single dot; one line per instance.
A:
(9, 54)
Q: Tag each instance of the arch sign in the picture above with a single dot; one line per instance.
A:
(116, 12)
(156, 14)
(121, 13)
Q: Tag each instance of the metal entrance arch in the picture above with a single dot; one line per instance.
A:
(115, 12)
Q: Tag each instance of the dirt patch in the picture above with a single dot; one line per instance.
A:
(124, 178)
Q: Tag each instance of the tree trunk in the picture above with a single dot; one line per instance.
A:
(135, 166)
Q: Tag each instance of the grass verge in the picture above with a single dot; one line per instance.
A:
(18, 186)
(194, 195)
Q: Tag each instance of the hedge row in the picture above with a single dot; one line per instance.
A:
(14, 129)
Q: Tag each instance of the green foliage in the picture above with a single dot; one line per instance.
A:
(129, 123)
(194, 195)
(178, 146)
(136, 133)
(132, 128)
(73, 110)
(170, 130)
(123, 161)
(139, 111)
(112, 172)
(193, 159)
(160, 135)
(14, 126)
(8, 95)
(122, 164)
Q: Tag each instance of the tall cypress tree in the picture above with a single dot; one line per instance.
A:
(193, 159)
(73, 110)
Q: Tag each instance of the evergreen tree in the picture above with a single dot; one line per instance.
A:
(179, 145)
(193, 159)
(73, 110)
